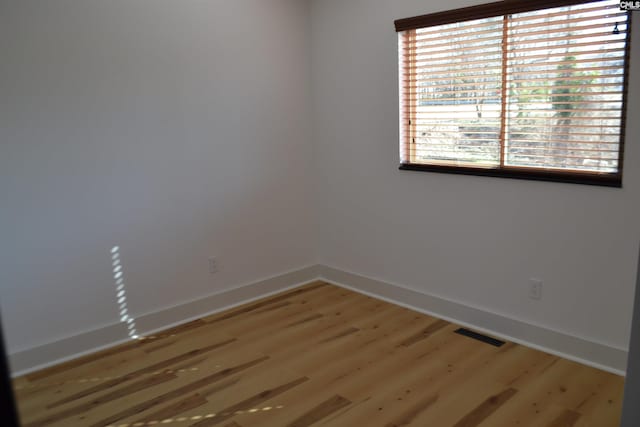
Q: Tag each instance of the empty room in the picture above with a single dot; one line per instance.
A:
(340, 213)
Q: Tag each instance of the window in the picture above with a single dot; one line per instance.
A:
(522, 89)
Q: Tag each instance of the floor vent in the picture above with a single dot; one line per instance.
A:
(476, 336)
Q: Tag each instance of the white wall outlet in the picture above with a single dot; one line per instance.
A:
(535, 289)
(213, 265)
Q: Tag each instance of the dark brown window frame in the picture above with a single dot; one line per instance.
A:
(504, 8)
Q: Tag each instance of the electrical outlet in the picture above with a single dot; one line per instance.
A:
(535, 289)
(213, 265)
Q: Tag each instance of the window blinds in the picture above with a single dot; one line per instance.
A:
(535, 90)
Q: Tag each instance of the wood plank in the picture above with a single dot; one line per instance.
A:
(320, 412)
(193, 401)
(140, 372)
(425, 333)
(85, 407)
(488, 407)
(249, 403)
(179, 392)
(568, 418)
(319, 355)
(408, 416)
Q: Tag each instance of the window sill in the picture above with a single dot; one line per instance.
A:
(604, 180)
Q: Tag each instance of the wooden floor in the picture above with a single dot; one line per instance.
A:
(319, 356)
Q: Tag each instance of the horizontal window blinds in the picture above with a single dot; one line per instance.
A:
(540, 89)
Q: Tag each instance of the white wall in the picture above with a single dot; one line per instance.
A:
(174, 129)
(631, 410)
(472, 240)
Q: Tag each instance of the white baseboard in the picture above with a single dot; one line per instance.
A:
(53, 353)
(581, 350)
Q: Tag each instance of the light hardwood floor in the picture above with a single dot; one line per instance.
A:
(323, 356)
